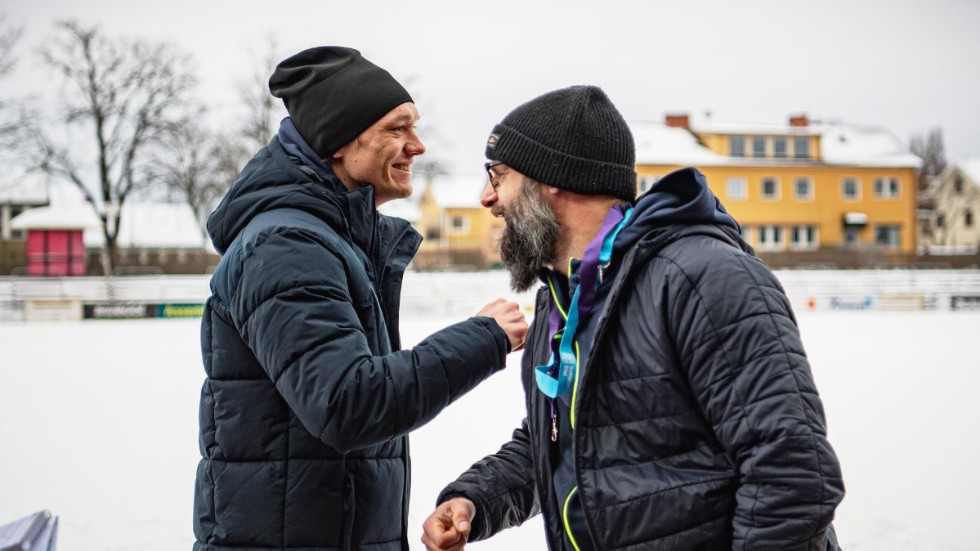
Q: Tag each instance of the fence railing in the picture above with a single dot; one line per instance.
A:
(464, 293)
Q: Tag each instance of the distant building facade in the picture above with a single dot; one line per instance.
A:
(804, 193)
(65, 239)
(19, 191)
(951, 224)
(458, 233)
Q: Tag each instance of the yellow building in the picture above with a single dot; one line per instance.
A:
(458, 233)
(803, 191)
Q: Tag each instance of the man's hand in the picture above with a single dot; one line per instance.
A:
(509, 317)
(448, 527)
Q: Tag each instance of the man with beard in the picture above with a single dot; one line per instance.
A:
(670, 405)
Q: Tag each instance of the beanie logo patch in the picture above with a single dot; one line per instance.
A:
(492, 141)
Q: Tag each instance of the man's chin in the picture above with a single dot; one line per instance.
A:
(522, 276)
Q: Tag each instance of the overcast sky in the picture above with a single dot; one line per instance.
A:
(907, 65)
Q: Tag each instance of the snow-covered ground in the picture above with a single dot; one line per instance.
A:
(98, 423)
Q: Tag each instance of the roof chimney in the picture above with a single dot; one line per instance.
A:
(678, 120)
(799, 120)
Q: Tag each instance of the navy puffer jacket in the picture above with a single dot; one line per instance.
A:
(308, 401)
(698, 424)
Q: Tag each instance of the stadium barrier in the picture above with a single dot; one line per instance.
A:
(464, 293)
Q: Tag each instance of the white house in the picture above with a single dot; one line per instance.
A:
(955, 197)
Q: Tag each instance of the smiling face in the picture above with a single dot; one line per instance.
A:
(382, 155)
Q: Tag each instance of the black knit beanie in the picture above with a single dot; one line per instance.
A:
(333, 94)
(572, 139)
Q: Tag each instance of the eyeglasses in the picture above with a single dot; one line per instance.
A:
(488, 165)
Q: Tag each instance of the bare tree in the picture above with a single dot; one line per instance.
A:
(428, 166)
(932, 151)
(11, 116)
(263, 111)
(126, 96)
(198, 167)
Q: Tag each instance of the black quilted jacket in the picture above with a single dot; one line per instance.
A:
(307, 402)
(698, 422)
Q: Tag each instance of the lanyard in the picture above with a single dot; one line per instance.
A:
(558, 376)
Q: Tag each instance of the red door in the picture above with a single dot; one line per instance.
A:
(55, 253)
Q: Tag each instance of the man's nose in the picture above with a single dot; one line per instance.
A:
(415, 145)
(489, 196)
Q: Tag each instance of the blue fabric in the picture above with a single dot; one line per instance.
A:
(296, 146)
(681, 197)
(564, 466)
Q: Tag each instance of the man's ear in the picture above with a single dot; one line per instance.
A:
(551, 190)
(340, 152)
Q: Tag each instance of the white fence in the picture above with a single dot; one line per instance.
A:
(464, 293)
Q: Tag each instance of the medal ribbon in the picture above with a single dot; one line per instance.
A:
(558, 375)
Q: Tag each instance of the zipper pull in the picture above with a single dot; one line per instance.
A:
(554, 428)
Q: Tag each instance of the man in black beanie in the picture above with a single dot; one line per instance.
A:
(670, 405)
(308, 399)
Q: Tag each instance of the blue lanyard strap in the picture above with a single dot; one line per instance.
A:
(557, 377)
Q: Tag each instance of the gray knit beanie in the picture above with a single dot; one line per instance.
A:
(572, 139)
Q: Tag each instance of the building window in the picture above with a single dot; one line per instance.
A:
(940, 220)
(771, 238)
(851, 188)
(803, 238)
(851, 236)
(646, 182)
(801, 147)
(746, 233)
(14, 233)
(459, 223)
(968, 218)
(770, 187)
(886, 187)
(888, 236)
(779, 147)
(737, 146)
(958, 185)
(758, 146)
(803, 188)
(737, 187)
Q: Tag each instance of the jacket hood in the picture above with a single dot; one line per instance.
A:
(272, 179)
(681, 197)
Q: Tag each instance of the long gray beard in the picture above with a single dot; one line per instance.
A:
(530, 237)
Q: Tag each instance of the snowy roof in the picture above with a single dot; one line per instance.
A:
(154, 226)
(56, 217)
(24, 188)
(458, 191)
(657, 143)
(970, 168)
(407, 209)
(840, 144)
(143, 225)
(753, 129)
(856, 145)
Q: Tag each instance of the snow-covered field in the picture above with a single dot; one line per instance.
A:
(98, 423)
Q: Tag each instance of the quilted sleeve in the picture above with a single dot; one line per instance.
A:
(293, 306)
(738, 341)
